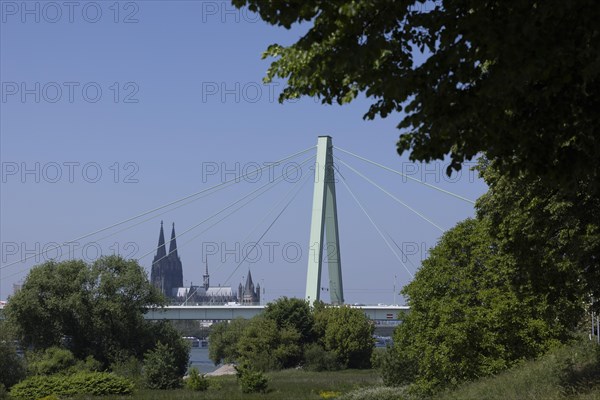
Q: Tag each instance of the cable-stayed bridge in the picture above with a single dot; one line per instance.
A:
(324, 229)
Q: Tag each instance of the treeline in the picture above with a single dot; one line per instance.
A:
(291, 333)
(72, 318)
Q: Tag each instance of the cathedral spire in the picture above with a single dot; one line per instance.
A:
(161, 251)
(173, 244)
(249, 287)
(206, 278)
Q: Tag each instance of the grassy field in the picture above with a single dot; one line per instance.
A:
(567, 373)
(289, 384)
(571, 372)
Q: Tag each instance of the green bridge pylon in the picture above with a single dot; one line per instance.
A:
(324, 224)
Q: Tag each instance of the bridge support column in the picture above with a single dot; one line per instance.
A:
(324, 223)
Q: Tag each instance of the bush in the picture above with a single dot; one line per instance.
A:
(160, 369)
(130, 368)
(316, 358)
(56, 360)
(9, 356)
(395, 368)
(3, 392)
(348, 333)
(251, 381)
(83, 383)
(51, 361)
(376, 393)
(196, 381)
(266, 347)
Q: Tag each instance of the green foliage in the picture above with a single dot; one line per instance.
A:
(467, 320)
(195, 381)
(396, 368)
(292, 313)
(566, 372)
(316, 358)
(3, 392)
(224, 338)
(9, 356)
(553, 234)
(83, 383)
(160, 370)
(99, 307)
(348, 334)
(250, 380)
(451, 75)
(376, 393)
(165, 333)
(51, 361)
(130, 368)
(266, 347)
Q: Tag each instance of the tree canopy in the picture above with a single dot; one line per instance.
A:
(94, 310)
(468, 319)
(517, 80)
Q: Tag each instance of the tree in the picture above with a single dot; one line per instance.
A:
(266, 347)
(467, 319)
(348, 334)
(517, 80)
(160, 370)
(293, 313)
(96, 310)
(553, 233)
(13, 369)
(224, 338)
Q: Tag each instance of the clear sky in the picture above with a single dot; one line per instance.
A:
(110, 109)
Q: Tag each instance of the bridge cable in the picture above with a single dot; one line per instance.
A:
(158, 208)
(264, 233)
(343, 180)
(189, 202)
(406, 176)
(219, 212)
(403, 253)
(391, 195)
(273, 184)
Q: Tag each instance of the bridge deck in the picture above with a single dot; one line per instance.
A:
(378, 313)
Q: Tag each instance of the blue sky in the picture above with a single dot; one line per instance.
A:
(110, 109)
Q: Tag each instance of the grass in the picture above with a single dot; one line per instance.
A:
(570, 372)
(566, 373)
(288, 384)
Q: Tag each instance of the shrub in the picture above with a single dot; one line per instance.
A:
(83, 383)
(348, 333)
(376, 393)
(160, 370)
(395, 368)
(316, 358)
(3, 392)
(9, 356)
(196, 381)
(251, 381)
(130, 368)
(51, 361)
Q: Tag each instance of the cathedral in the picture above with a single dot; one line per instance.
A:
(167, 275)
(167, 271)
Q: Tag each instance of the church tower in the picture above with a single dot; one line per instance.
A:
(167, 270)
(206, 278)
(247, 294)
(175, 266)
(156, 274)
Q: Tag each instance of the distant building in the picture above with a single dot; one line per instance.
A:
(247, 294)
(206, 294)
(167, 275)
(167, 271)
